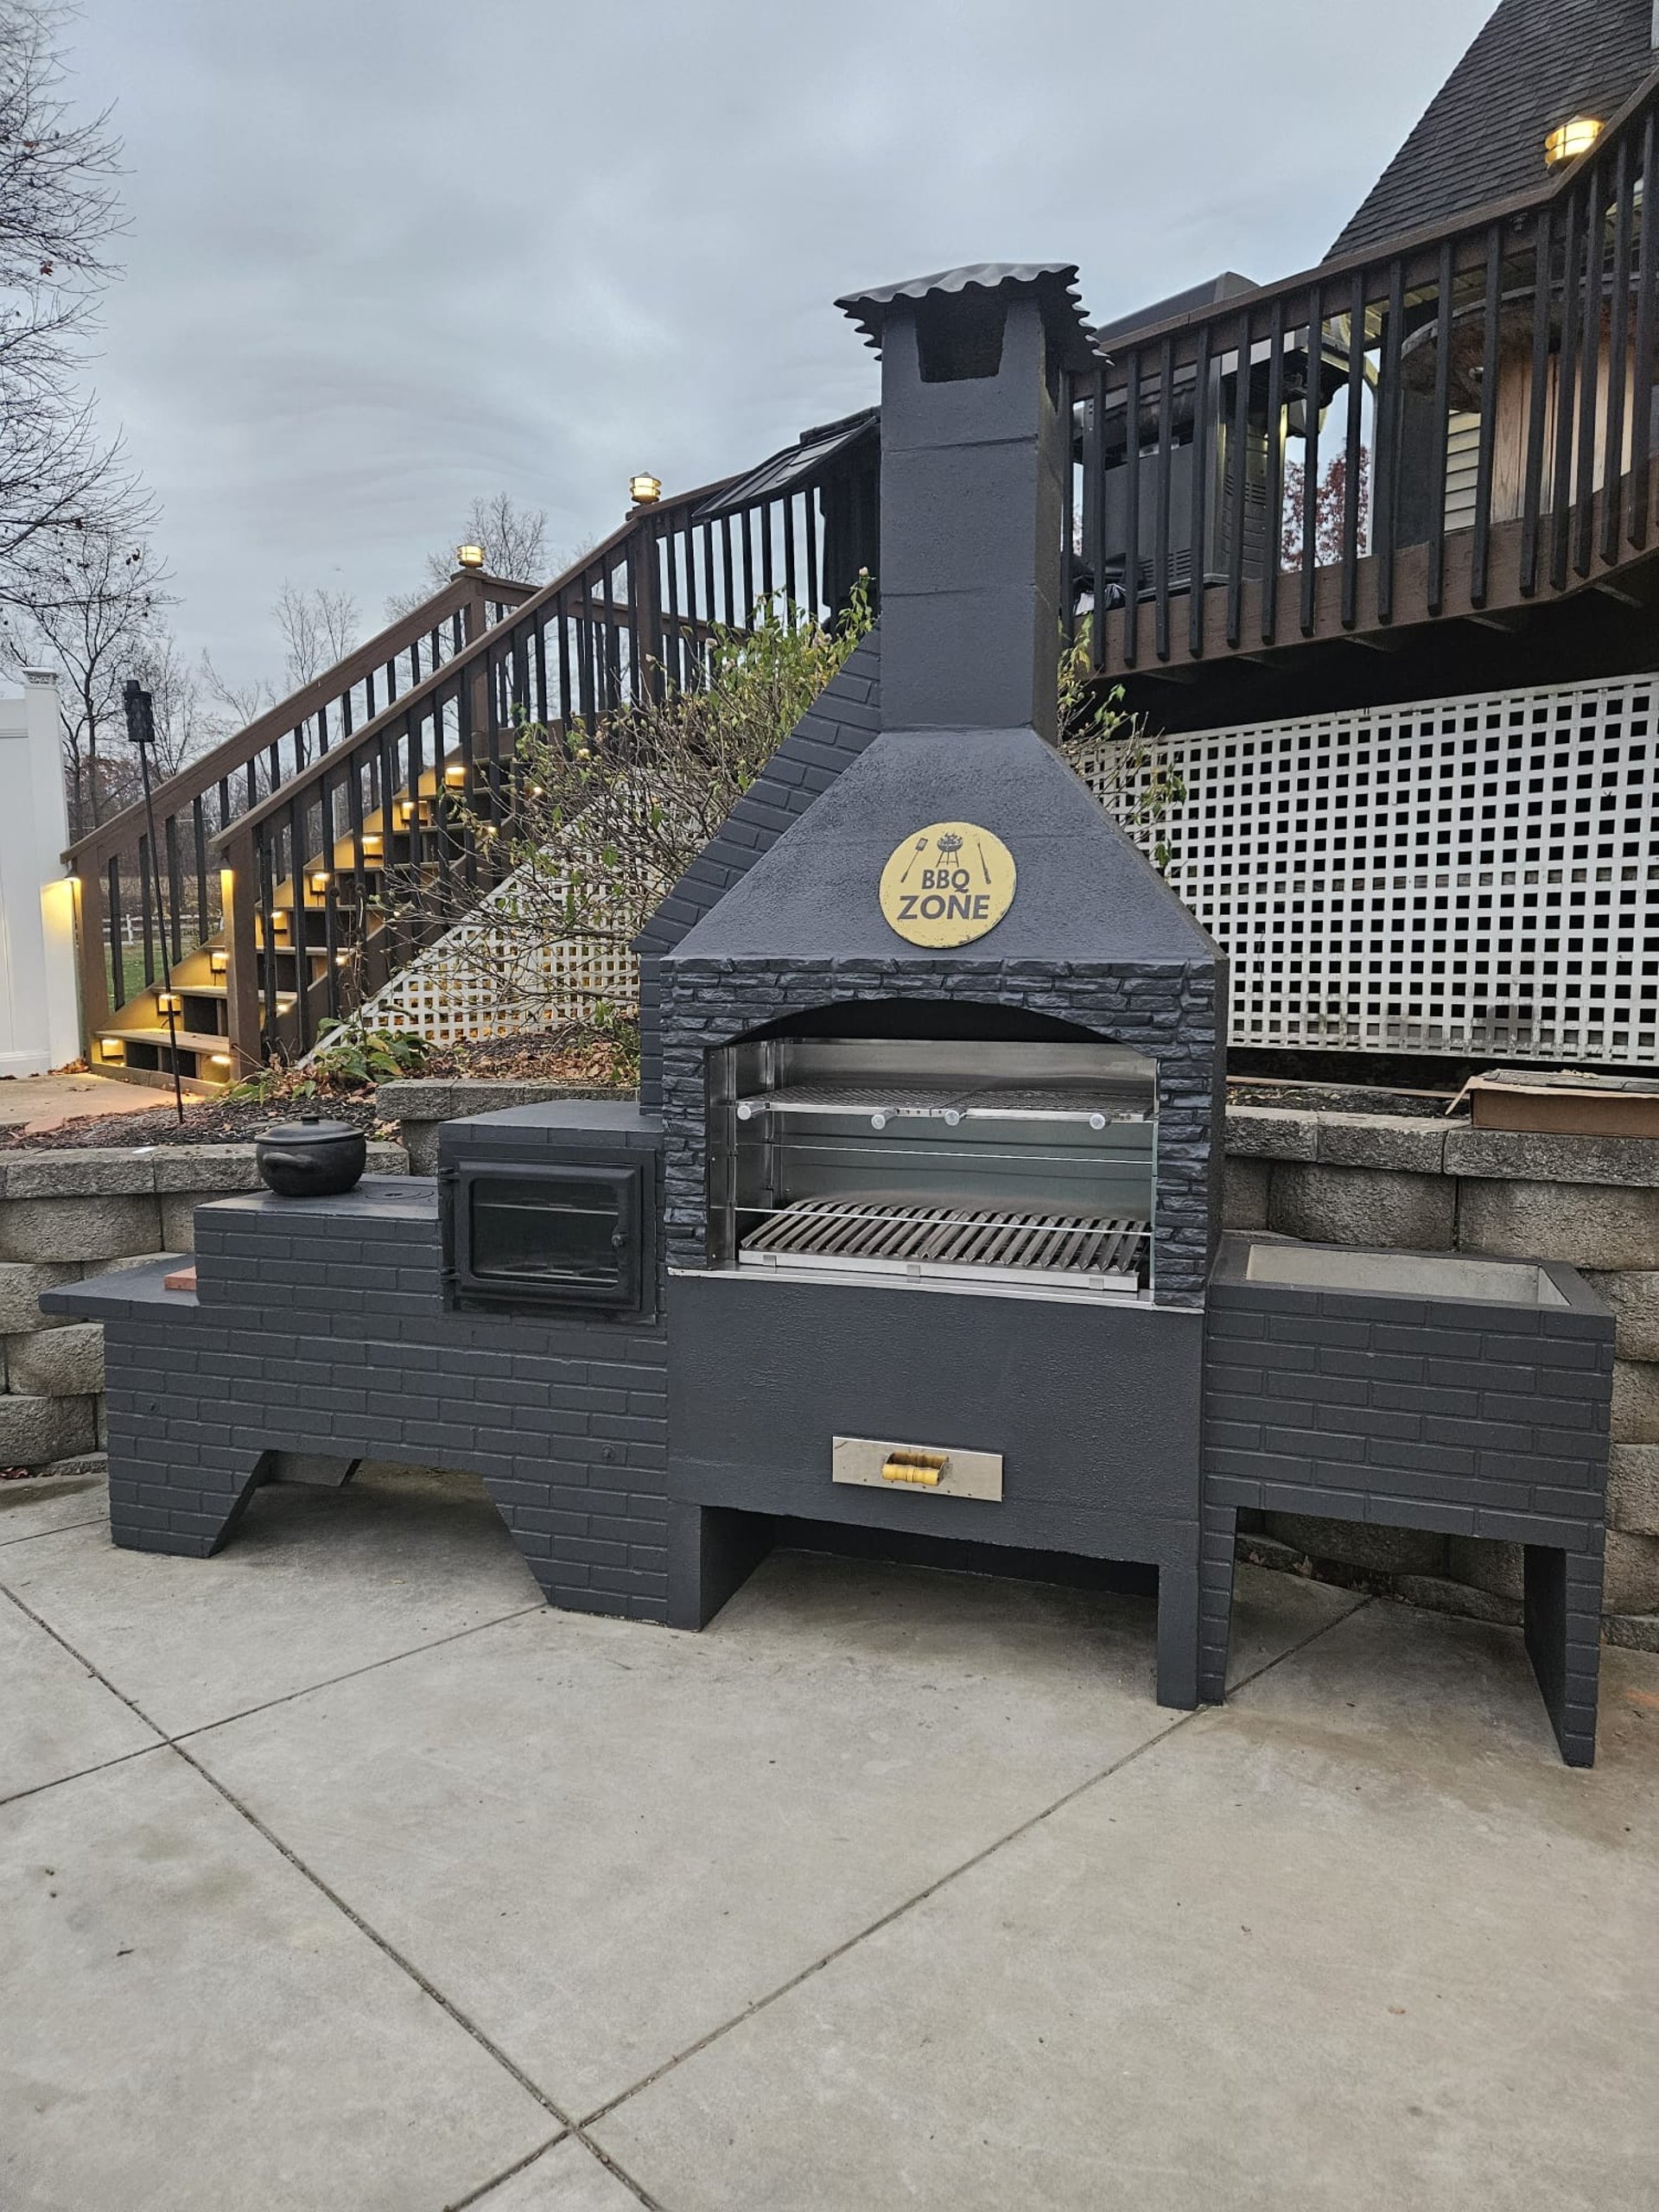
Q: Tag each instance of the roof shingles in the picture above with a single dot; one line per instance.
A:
(1533, 64)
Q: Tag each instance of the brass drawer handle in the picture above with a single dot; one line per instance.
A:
(923, 1467)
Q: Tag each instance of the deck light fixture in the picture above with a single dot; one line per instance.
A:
(456, 776)
(219, 963)
(470, 557)
(1570, 139)
(169, 1002)
(113, 1050)
(319, 882)
(373, 844)
(644, 490)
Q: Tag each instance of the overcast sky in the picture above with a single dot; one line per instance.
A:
(388, 254)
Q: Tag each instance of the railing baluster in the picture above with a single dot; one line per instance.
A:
(1538, 404)
(1618, 339)
(1352, 452)
(1310, 454)
(299, 926)
(1595, 257)
(1444, 304)
(1199, 505)
(1237, 483)
(1642, 381)
(1273, 514)
(1566, 396)
(1480, 553)
(1094, 479)
(1385, 469)
(117, 941)
(1160, 514)
(199, 829)
(271, 1030)
(729, 613)
(1131, 512)
(146, 878)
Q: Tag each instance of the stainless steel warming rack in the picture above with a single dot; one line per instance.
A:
(948, 1103)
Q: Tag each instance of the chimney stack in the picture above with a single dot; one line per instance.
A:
(975, 441)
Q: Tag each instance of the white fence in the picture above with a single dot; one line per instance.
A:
(1477, 876)
(1474, 876)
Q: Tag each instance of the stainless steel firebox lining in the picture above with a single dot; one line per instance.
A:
(882, 1238)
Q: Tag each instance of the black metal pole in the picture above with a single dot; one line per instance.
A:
(141, 733)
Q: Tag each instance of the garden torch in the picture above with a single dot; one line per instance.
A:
(141, 735)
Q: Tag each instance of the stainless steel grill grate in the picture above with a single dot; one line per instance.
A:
(882, 1237)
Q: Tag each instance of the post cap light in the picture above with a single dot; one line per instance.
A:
(644, 490)
(1570, 139)
(470, 557)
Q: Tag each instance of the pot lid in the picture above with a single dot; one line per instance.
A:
(310, 1128)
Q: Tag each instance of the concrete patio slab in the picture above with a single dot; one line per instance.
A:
(189, 2024)
(1359, 1940)
(567, 2178)
(35, 1508)
(315, 1584)
(56, 1718)
(656, 1830)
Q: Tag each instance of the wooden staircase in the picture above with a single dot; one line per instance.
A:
(347, 884)
(305, 862)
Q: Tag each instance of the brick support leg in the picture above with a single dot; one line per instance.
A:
(712, 1552)
(1563, 1633)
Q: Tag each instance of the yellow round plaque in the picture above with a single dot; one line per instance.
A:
(948, 884)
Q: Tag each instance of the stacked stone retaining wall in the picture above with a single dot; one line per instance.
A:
(66, 1215)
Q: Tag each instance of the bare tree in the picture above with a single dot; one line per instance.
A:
(514, 540)
(89, 613)
(319, 627)
(59, 215)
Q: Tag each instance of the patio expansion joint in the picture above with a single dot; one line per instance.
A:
(176, 1744)
(34, 1535)
(966, 1867)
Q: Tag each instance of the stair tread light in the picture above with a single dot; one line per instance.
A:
(469, 557)
(320, 880)
(644, 490)
(219, 962)
(1570, 139)
(454, 776)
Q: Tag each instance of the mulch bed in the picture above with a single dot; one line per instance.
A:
(576, 1055)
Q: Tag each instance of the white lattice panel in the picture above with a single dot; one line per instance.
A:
(487, 977)
(1474, 876)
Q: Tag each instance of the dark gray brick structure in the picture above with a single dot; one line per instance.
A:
(1448, 1413)
(319, 1327)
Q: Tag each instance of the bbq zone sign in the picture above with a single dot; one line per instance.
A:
(948, 884)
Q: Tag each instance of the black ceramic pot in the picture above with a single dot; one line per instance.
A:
(311, 1158)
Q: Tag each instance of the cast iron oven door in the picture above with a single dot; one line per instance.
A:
(531, 1236)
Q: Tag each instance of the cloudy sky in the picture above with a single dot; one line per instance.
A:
(386, 255)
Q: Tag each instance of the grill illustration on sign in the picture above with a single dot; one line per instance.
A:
(948, 884)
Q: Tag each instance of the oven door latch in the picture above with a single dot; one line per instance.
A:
(908, 1467)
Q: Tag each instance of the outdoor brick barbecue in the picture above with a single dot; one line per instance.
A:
(913, 1238)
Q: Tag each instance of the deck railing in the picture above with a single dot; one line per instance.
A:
(1485, 391)
(310, 931)
(128, 896)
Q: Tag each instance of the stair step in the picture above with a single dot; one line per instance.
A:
(188, 1040)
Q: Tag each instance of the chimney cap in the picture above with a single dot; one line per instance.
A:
(1053, 284)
